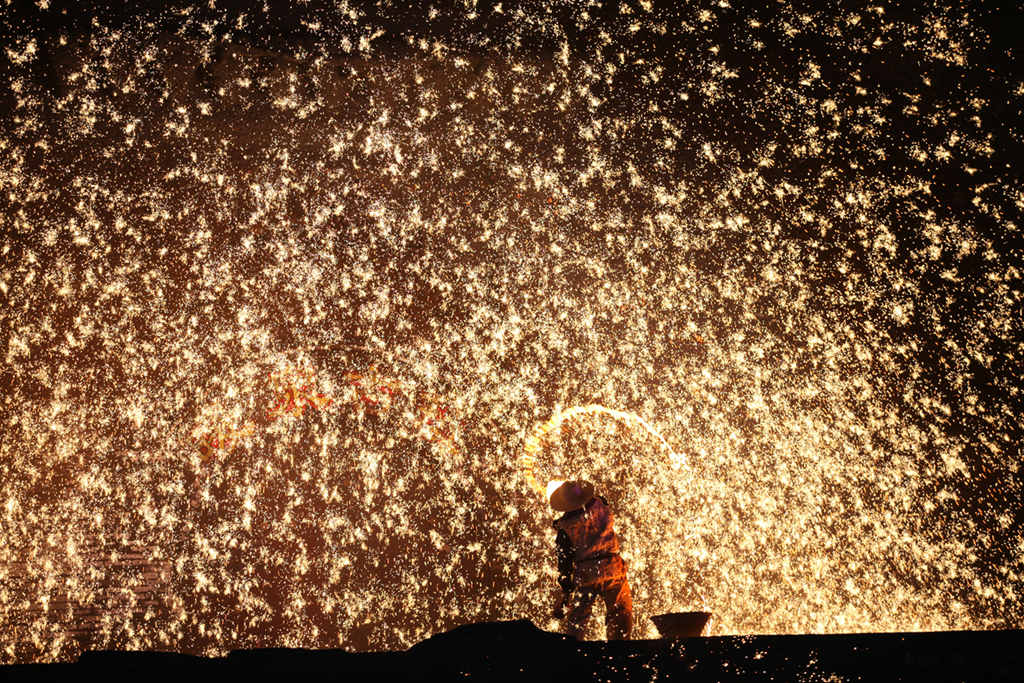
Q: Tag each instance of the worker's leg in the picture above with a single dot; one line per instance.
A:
(618, 616)
(580, 606)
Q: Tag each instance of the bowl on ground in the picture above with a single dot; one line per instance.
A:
(681, 624)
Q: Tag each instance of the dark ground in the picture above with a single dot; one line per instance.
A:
(518, 651)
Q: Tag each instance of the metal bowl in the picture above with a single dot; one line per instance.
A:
(681, 624)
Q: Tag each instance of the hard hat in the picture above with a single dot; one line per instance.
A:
(571, 495)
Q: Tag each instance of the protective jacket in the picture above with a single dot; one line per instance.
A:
(588, 550)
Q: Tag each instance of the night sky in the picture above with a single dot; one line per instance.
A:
(285, 291)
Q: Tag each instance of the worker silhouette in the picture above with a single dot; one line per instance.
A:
(589, 564)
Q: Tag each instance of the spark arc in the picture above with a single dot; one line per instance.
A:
(532, 445)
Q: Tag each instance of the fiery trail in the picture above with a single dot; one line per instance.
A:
(532, 445)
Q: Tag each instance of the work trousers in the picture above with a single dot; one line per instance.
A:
(618, 618)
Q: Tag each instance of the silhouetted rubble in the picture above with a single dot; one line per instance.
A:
(519, 651)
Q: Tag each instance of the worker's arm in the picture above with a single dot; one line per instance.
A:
(564, 552)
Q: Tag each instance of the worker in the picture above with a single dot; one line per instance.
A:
(589, 564)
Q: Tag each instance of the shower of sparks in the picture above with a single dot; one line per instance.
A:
(295, 394)
(278, 316)
(293, 391)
